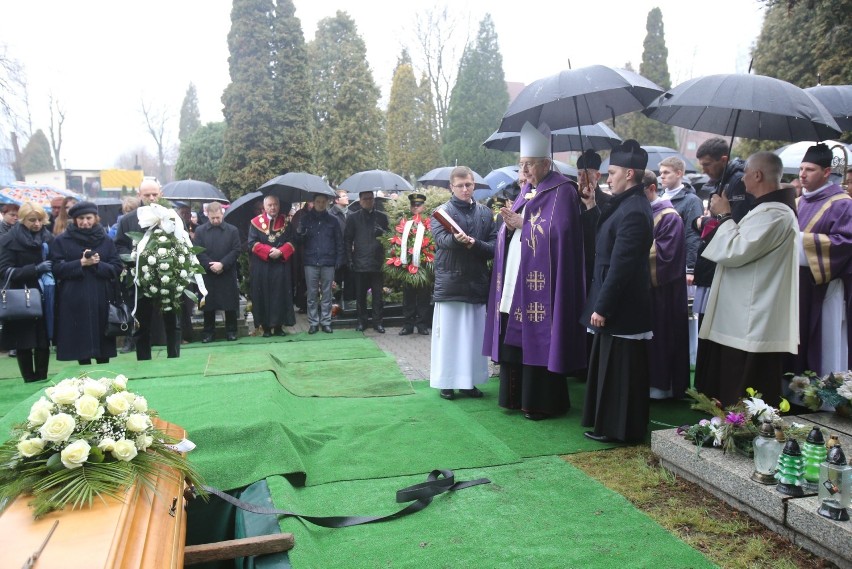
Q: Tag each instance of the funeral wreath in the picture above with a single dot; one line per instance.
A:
(834, 389)
(87, 438)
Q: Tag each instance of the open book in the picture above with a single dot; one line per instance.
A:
(448, 222)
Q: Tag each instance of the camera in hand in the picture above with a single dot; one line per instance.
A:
(88, 253)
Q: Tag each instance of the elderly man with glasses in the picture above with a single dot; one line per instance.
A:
(538, 288)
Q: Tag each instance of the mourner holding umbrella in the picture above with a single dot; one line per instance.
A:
(21, 264)
(221, 242)
(86, 266)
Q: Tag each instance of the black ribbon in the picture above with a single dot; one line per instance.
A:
(420, 495)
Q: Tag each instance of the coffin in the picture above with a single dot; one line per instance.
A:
(145, 530)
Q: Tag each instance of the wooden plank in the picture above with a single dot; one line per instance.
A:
(231, 549)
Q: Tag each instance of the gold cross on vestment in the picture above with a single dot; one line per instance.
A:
(535, 281)
(535, 312)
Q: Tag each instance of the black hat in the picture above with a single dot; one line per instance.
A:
(629, 155)
(819, 154)
(82, 208)
(416, 199)
(589, 160)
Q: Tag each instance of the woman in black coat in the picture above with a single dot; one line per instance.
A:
(86, 266)
(22, 261)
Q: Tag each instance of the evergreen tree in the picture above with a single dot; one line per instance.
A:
(655, 67)
(250, 132)
(190, 116)
(348, 123)
(37, 156)
(478, 101)
(803, 43)
(266, 104)
(428, 147)
(402, 127)
(201, 154)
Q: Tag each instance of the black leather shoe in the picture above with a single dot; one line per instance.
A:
(327, 329)
(424, 331)
(267, 334)
(598, 438)
(313, 329)
(231, 337)
(359, 328)
(380, 329)
(475, 393)
(532, 416)
(206, 339)
(406, 331)
(448, 394)
(281, 332)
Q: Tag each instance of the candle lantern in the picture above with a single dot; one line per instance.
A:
(813, 454)
(790, 470)
(835, 486)
(767, 449)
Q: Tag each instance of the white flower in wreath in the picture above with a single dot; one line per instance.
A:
(152, 260)
(144, 441)
(845, 390)
(140, 404)
(165, 279)
(146, 269)
(65, 392)
(106, 444)
(40, 411)
(164, 291)
(181, 259)
(124, 450)
(183, 273)
(162, 252)
(94, 388)
(74, 455)
(153, 289)
(30, 447)
(179, 288)
(57, 428)
(162, 239)
(164, 266)
(158, 231)
(137, 422)
(133, 255)
(130, 397)
(88, 408)
(117, 404)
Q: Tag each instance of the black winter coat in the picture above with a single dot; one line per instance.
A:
(363, 249)
(221, 243)
(21, 251)
(621, 281)
(82, 296)
(462, 274)
(321, 238)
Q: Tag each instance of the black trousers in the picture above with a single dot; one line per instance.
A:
(210, 322)
(32, 363)
(171, 320)
(364, 282)
(416, 309)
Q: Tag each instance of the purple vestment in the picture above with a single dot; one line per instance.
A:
(825, 220)
(550, 288)
(669, 349)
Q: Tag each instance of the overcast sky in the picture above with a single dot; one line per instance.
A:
(101, 58)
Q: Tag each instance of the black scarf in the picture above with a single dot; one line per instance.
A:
(89, 238)
(26, 239)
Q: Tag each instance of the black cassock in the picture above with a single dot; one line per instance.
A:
(271, 279)
(221, 243)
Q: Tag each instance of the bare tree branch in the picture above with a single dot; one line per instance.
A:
(155, 121)
(56, 122)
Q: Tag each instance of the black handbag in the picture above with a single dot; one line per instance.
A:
(119, 318)
(19, 303)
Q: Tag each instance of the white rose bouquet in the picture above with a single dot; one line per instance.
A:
(84, 438)
(163, 258)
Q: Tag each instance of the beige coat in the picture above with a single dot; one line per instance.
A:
(754, 299)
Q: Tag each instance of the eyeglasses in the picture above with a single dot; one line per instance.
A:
(467, 186)
(530, 164)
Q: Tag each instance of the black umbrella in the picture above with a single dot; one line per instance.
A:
(578, 97)
(193, 190)
(374, 180)
(597, 137)
(242, 210)
(657, 154)
(295, 187)
(751, 106)
(837, 99)
(440, 177)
